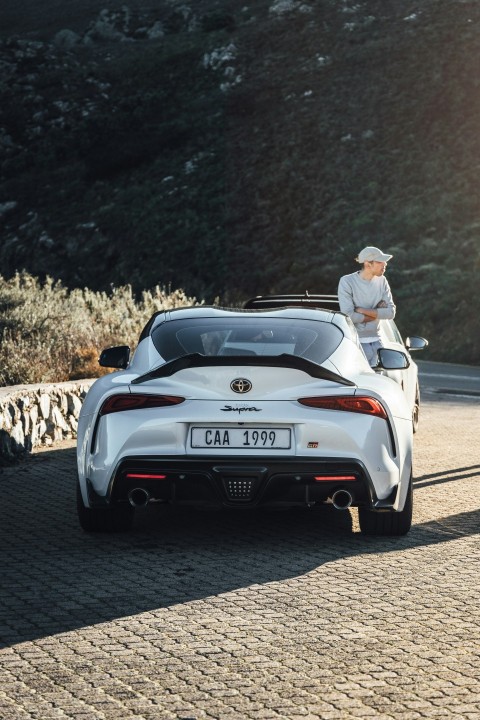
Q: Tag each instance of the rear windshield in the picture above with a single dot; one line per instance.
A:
(310, 339)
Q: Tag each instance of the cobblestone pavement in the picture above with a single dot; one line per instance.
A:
(272, 615)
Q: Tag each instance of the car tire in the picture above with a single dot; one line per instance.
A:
(416, 410)
(374, 522)
(118, 518)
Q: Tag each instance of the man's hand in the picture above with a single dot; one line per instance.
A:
(368, 314)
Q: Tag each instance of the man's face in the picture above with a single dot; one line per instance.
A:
(377, 267)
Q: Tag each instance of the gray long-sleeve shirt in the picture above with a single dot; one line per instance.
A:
(354, 291)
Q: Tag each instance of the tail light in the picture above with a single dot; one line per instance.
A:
(118, 403)
(351, 403)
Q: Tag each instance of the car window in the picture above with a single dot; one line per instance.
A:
(313, 340)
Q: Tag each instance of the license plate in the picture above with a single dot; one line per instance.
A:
(241, 438)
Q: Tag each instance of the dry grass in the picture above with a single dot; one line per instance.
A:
(50, 334)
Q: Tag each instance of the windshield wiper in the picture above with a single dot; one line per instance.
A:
(285, 360)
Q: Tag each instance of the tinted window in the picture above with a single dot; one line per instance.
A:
(314, 340)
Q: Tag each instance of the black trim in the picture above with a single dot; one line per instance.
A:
(283, 361)
(148, 327)
(207, 481)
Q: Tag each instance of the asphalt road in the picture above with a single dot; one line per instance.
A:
(455, 381)
(263, 616)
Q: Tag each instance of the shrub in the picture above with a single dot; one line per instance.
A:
(50, 334)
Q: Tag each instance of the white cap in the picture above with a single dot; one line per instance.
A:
(369, 254)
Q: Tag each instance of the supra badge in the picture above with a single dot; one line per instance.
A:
(241, 385)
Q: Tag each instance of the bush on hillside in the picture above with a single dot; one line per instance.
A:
(50, 334)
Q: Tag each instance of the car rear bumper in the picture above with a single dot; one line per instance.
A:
(237, 482)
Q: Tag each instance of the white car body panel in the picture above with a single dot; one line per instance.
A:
(380, 449)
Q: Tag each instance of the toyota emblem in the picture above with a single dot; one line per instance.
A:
(241, 385)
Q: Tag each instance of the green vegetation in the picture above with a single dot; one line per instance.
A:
(246, 150)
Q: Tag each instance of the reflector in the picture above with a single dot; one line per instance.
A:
(146, 476)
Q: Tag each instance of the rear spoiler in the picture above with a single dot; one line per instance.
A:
(285, 360)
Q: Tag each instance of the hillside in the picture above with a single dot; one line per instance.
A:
(233, 150)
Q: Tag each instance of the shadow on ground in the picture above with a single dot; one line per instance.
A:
(56, 578)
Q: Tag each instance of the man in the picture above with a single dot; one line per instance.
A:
(365, 296)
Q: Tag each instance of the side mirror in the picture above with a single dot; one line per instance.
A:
(392, 360)
(115, 357)
(416, 343)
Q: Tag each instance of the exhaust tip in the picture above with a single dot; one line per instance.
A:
(138, 497)
(342, 499)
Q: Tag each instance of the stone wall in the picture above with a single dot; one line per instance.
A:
(32, 415)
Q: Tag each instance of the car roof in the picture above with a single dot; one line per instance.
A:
(212, 311)
(324, 308)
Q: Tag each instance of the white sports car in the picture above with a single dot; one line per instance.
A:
(244, 408)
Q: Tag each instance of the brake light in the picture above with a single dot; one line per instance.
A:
(118, 403)
(336, 478)
(351, 403)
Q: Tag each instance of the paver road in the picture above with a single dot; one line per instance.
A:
(272, 615)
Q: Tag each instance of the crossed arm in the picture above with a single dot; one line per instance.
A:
(370, 313)
(384, 309)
